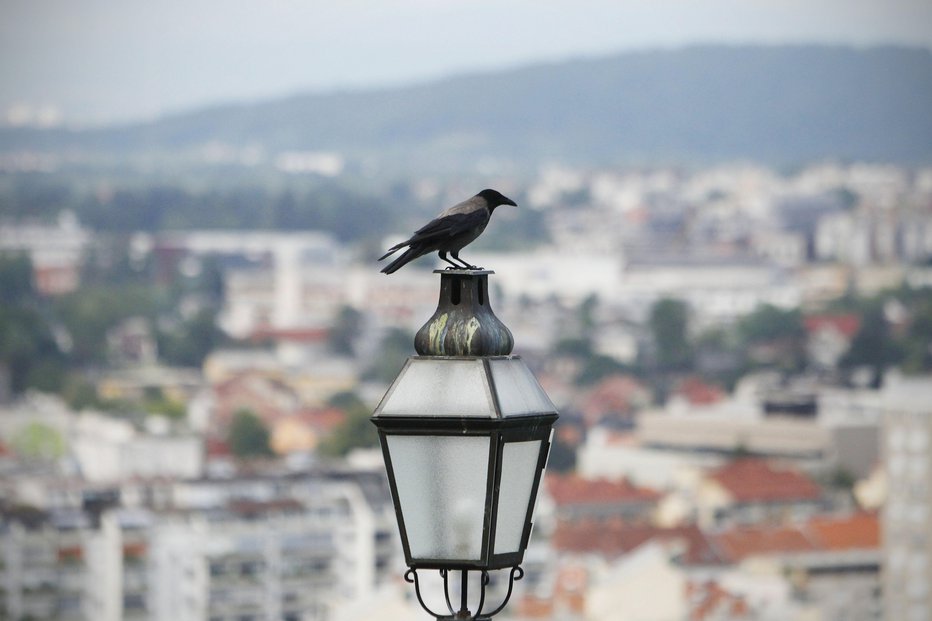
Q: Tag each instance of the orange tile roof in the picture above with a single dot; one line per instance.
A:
(740, 543)
(575, 490)
(857, 531)
(615, 538)
(754, 480)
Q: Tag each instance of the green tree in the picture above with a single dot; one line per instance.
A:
(248, 435)
(669, 324)
(917, 344)
(16, 284)
(357, 431)
(872, 346)
(91, 311)
(769, 323)
(395, 347)
(39, 441)
(345, 330)
(28, 349)
(189, 342)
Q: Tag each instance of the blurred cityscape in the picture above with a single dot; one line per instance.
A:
(741, 355)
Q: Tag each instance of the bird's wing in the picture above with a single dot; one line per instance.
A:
(449, 226)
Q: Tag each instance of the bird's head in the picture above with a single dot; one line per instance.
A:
(495, 198)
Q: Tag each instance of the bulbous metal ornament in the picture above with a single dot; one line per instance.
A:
(464, 324)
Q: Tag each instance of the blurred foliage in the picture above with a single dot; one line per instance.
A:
(769, 323)
(669, 325)
(357, 431)
(186, 343)
(29, 352)
(38, 441)
(345, 330)
(394, 349)
(248, 436)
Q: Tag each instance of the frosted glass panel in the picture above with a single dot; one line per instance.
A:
(517, 389)
(440, 388)
(442, 484)
(519, 465)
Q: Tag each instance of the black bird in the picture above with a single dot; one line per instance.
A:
(450, 232)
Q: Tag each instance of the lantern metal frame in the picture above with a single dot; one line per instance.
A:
(431, 400)
(501, 430)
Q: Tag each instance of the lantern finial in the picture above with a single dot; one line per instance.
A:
(464, 324)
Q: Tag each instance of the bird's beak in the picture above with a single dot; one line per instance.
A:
(511, 202)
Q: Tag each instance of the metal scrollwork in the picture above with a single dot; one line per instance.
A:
(515, 574)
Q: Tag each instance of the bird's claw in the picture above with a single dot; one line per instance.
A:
(465, 267)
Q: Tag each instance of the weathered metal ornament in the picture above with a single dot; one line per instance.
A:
(464, 324)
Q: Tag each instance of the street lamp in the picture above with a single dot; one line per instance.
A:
(465, 432)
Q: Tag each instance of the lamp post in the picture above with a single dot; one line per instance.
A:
(465, 432)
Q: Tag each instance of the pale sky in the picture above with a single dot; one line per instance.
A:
(101, 61)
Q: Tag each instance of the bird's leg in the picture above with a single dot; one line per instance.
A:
(456, 255)
(443, 255)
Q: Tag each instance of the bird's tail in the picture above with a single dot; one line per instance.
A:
(409, 255)
(392, 250)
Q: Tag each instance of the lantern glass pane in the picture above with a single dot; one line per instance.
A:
(519, 465)
(517, 389)
(442, 483)
(440, 388)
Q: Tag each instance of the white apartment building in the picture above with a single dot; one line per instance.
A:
(907, 516)
(296, 547)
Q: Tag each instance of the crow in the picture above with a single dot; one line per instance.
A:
(449, 232)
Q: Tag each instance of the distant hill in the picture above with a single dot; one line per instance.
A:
(773, 104)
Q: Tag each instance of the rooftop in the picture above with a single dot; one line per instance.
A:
(575, 490)
(756, 480)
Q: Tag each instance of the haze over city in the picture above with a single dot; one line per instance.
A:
(106, 61)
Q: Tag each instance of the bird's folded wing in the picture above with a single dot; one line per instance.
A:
(449, 226)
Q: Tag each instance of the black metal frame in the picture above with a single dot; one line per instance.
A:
(463, 614)
(500, 432)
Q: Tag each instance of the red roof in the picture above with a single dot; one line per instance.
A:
(754, 480)
(323, 420)
(615, 538)
(614, 395)
(740, 543)
(697, 392)
(858, 531)
(708, 600)
(847, 324)
(575, 490)
(214, 447)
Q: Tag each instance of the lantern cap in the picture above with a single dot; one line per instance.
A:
(464, 324)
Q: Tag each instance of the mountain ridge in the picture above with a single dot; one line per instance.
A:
(776, 104)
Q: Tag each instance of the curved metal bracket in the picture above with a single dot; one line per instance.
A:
(463, 614)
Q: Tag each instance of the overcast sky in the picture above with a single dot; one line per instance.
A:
(100, 61)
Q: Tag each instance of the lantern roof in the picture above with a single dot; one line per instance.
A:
(485, 387)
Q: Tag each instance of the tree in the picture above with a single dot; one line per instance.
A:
(248, 435)
(395, 347)
(769, 323)
(39, 441)
(345, 330)
(872, 346)
(357, 431)
(669, 324)
(15, 278)
(188, 343)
